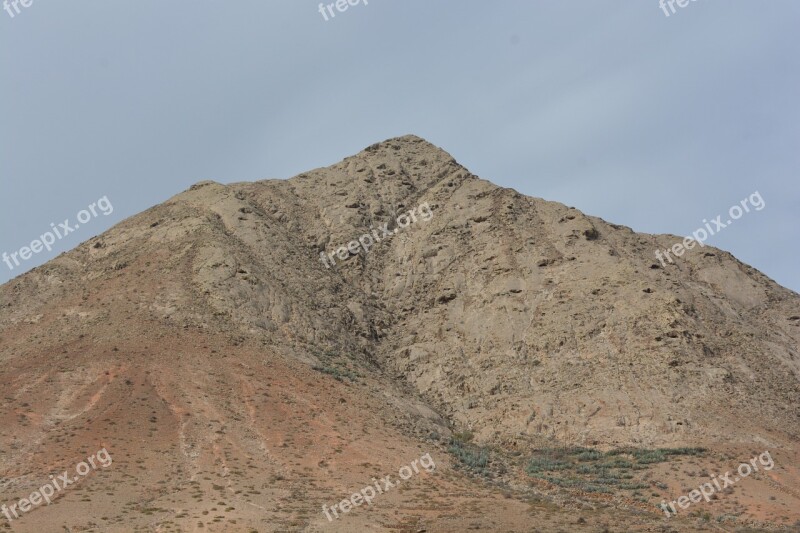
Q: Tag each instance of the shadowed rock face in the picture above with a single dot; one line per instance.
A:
(208, 344)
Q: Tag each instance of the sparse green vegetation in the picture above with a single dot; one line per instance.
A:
(335, 365)
(338, 373)
(544, 464)
(473, 456)
(597, 471)
(589, 455)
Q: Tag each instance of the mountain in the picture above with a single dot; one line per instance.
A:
(244, 368)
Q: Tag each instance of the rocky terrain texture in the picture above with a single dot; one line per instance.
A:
(240, 384)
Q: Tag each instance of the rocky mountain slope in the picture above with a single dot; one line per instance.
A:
(241, 381)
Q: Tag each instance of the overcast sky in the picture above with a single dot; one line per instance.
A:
(645, 120)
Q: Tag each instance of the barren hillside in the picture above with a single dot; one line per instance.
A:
(242, 374)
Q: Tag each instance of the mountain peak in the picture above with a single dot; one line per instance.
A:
(288, 330)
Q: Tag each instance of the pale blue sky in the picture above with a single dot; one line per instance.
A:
(645, 120)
